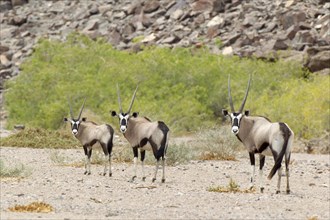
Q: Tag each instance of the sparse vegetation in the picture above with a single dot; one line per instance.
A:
(60, 159)
(232, 187)
(33, 207)
(217, 144)
(19, 170)
(41, 138)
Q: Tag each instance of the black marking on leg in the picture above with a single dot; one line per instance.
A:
(262, 161)
(252, 159)
(143, 154)
(135, 152)
(85, 149)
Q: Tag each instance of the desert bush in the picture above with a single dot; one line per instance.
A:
(19, 170)
(217, 143)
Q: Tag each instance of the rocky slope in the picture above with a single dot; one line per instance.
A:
(231, 27)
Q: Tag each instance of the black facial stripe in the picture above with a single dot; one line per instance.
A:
(75, 126)
(235, 123)
(123, 122)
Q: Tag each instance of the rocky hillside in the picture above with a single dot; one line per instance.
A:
(255, 28)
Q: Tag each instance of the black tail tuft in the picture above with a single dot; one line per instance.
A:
(286, 135)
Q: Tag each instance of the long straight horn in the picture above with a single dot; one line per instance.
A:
(82, 107)
(119, 100)
(246, 95)
(229, 96)
(133, 98)
(71, 114)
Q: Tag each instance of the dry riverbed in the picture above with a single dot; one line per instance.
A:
(184, 195)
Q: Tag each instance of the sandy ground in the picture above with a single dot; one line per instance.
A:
(184, 195)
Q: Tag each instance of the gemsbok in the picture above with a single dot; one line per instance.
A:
(260, 136)
(140, 132)
(89, 133)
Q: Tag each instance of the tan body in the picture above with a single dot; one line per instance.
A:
(89, 132)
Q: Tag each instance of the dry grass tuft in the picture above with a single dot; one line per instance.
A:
(17, 172)
(232, 187)
(313, 218)
(33, 207)
(217, 144)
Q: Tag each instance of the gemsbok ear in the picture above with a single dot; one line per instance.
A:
(135, 114)
(113, 113)
(247, 112)
(83, 119)
(225, 112)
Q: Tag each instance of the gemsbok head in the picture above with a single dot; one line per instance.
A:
(260, 136)
(88, 133)
(140, 132)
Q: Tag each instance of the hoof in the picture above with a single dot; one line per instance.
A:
(153, 179)
(85, 172)
(288, 191)
(110, 174)
(262, 189)
(163, 180)
(104, 174)
(143, 178)
(278, 191)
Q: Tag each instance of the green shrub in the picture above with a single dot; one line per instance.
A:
(185, 87)
(16, 171)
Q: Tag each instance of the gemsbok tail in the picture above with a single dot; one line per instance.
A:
(286, 132)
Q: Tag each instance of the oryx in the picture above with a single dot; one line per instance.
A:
(260, 136)
(140, 132)
(88, 133)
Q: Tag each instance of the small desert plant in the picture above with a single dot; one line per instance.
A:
(33, 207)
(232, 187)
(61, 160)
(217, 144)
(16, 171)
(179, 154)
